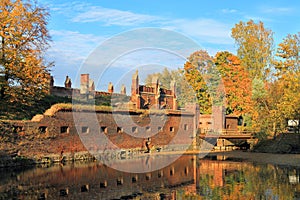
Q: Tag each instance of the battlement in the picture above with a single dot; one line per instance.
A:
(142, 96)
(87, 88)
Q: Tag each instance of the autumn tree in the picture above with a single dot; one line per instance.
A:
(23, 40)
(277, 100)
(288, 73)
(255, 47)
(255, 50)
(201, 74)
(236, 82)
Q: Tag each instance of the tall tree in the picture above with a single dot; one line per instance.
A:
(236, 82)
(255, 47)
(288, 73)
(278, 101)
(197, 71)
(24, 38)
(289, 57)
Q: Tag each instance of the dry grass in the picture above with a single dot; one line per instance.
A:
(76, 107)
(79, 107)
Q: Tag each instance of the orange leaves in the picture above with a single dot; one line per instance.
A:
(196, 72)
(23, 39)
(236, 82)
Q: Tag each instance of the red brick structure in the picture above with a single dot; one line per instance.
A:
(151, 113)
(87, 88)
(68, 83)
(231, 123)
(67, 133)
(218, 122)
(154, 96)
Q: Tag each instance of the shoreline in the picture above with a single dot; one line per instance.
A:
(235, 155)
(262, 158)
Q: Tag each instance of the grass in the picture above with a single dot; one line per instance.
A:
(19, 111)
(51, 104)
(77, 107)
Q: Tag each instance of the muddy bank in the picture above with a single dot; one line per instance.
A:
(284, 143)
(22, 161)
(267, 158)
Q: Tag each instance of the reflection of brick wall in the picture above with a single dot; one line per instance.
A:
(101, 181)
(215, 169)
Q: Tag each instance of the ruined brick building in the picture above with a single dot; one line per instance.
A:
(153, 96)
(167, 124)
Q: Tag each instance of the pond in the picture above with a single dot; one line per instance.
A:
(189, 177)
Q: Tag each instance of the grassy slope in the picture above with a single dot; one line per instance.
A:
(24, 112)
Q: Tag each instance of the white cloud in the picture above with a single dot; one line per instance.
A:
(69, 8)
(202, 29)
(205, 30)
(69, 49)
(276, 10)
(230, 11)
(72, 46)
(114, 17)
(257, 18)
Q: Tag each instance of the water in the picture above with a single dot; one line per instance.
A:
(190, 177)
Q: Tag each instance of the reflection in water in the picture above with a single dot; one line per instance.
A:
(188, 178)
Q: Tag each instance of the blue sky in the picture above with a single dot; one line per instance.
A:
(79, 27)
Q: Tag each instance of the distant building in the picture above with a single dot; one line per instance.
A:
(146, 97)
(154, 96)
(219, 121)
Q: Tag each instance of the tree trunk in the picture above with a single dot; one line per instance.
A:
(5, 80)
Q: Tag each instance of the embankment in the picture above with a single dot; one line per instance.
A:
(284, 143)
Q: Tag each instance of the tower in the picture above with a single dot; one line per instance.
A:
(110, 88)
(84, 83)
(135, 97)
(173, 93)
(123, 89)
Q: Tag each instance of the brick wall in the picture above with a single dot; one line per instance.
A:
(60, 132)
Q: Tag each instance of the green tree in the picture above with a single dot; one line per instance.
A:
(165, 78)
(278, 101)
(184, 91)
(266, 116)
(255, 47)
(288, 73)
(198, 72)
(24, 37)
(255, 50)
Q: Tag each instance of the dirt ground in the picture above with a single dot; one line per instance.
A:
(277, 159)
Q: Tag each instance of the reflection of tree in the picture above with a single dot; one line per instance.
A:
(242, 181)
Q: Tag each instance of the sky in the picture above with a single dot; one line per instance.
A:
(110, 39)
